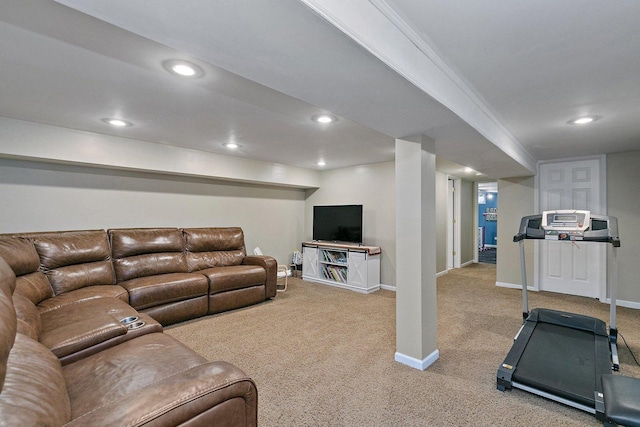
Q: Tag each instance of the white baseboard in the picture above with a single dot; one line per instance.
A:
(509, 285)
(467, 263)
(416, 363)
(623, 303)
(393, 288)
(513, 286)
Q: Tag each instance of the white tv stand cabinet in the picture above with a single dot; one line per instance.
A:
(346, 266)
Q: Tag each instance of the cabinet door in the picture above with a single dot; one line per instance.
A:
(309, 262)
(357, 274)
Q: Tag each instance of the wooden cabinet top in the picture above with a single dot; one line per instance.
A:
(371, 250)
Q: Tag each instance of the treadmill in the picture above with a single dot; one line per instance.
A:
(559, 355)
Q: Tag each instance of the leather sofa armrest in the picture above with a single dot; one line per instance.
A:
(150, 326)
(214, 393)
(271, 267)
(77, 336)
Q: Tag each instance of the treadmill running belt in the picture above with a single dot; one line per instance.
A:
(560, 361)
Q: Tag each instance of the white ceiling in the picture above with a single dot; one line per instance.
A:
(526, 67)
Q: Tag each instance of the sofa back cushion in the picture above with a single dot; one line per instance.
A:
(29, 321)
(141, 252)
(8, 321)
(20, 254)
(23, 258)
(214, 247)
(75, 259)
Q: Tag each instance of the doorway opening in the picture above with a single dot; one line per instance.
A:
(487, 222)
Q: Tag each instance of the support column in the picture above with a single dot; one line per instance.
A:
(416, 309)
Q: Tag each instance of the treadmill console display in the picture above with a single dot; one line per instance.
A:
(565, 224)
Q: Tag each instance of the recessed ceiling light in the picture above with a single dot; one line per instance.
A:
(324, 118)
(583, 120)
(468, 170)
(183, 68)
(119, 123)
(231, 145)
(321, 163)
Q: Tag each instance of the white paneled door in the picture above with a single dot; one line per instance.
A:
(572, 268)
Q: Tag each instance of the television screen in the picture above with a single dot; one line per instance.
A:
(338, 223)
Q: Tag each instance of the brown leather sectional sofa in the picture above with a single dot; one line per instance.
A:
(82, 313)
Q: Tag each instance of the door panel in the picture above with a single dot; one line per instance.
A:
(309, 262)
(572, 268)
(554, 266)
(580, 268)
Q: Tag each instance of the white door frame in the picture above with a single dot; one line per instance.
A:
(602, 207)
(453, 221)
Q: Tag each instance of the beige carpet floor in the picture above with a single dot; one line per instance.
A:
(324, 356)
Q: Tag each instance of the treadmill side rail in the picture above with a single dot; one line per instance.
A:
(508, 367)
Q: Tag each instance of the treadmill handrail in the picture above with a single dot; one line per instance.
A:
(599, 235)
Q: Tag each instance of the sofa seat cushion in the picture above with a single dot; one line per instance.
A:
(83, 294)
(233, 277)
(156, 380)
(125, 369)
(34, 391)
(150, 291)
(212, 394)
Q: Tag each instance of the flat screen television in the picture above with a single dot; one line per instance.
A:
(342, 223)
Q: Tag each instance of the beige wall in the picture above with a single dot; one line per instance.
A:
(43, 196)
(515, 200)
(623, 199)
(372, 186)
(46, 196)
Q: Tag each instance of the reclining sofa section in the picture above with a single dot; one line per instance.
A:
(150, 379)
(171, 274)
(81, 317)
